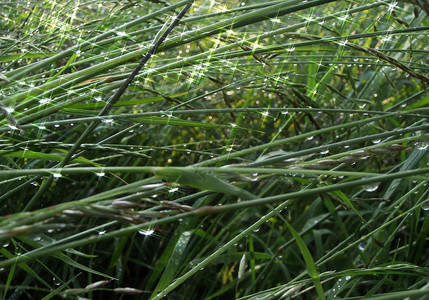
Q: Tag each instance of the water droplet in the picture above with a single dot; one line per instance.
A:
(173, 190)
(44, 100)
(255, 177)
(101, 174)
(57, 175)
(348, 277)
(376, 141)
(56, 281)
(147, 232)
(361, 245)
(107, 121)
(421, 145)
(371, 187)
(102, 232)
(343, 18)
(37, 238)
(425, 205)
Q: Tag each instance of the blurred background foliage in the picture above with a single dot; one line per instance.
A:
(332, 92)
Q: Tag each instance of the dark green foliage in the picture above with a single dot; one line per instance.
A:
(268, 150)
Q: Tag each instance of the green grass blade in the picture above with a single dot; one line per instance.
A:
(202, 181)
(309, 262)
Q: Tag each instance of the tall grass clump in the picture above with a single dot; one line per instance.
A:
(214, 149)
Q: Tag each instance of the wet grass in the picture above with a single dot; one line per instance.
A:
(262, 150)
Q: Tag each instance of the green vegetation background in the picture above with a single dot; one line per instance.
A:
(268, 150)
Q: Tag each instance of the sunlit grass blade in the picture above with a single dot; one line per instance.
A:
(202, 181)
